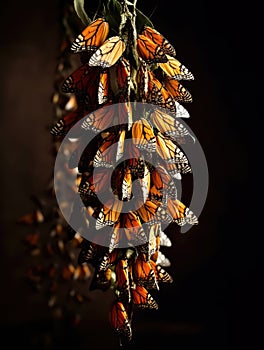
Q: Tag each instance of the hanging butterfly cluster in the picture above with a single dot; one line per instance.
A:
(110, 78)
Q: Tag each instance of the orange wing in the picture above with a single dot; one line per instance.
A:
(175, 69)
(143, 135)
(119, 320)
(91, 37)
(90, 185)
(120, 77)
(159, 39)
(108, 53)
(150, 51)
(143, 274)
(142, 298)
(100, 119)
(160, 273)
(108, 214)
(103, 88)
(158, 95)
(170, 126)
(177, 91)
(180, 213)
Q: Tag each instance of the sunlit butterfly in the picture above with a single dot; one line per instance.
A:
(143, 135)
(108, 214)
(150, 51)
(108, 53)
(159, 39)
(175, 69)
(170, 126)
(91, 37)
(128, 231)
(180, 213)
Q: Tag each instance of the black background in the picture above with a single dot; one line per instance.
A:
(215, 301)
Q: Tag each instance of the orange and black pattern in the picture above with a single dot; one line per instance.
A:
(104, 79)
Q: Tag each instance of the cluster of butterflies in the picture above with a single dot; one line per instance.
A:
(138, 158)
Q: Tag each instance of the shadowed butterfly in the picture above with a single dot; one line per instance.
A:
(143, 299)
(177, 91)
(119, 320)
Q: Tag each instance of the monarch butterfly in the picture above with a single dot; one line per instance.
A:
(119, 320)
(120, 78)
(150, 51)
(175, 69)
(143, 274)
(103, 88)
(163, 182)
(123, 283)
(106, 153)
(142, 298)
(142, 80)
(99, 119)
(169, 126)
(180, 213)
(172, 153)
(160, 273)
(143, 135)
(147, 211)
(158, 95)
(159, 39)
(108, 53)
(128, 231)
(177, 91)
(108, 214)
(82, 79)
(91, 37)
(94, 183)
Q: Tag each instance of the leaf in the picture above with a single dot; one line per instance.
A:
(142, 20)
(79, 8)
(112, 13)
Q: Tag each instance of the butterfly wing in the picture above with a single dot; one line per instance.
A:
(159, 39)
(108, 53)
(91, 37)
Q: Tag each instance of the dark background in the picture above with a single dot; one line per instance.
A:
(215, 301)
